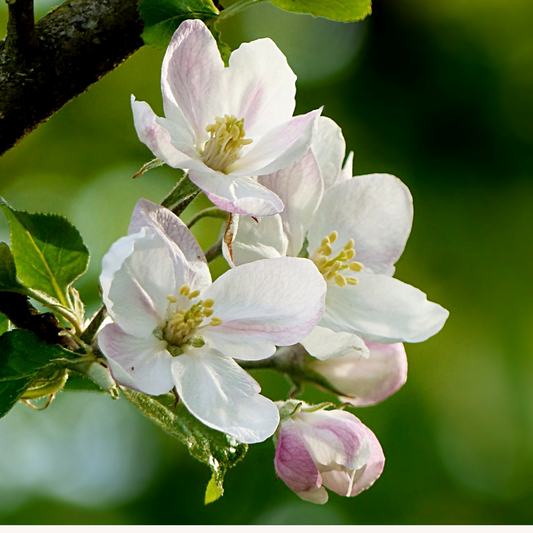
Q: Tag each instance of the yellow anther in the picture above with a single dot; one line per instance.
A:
(336, 266)
(340, 280)
(172, 299)
(194, 294)
(325, 241)
(333, 236)
(352, 281)
(349, 244)
(215, 321)
(326, 249)
(208, 312)
(321, 261)
(349, 254)
(208, 303)
(184, 290)
(356, 267)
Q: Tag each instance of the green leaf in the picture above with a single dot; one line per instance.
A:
(8, 270)
(217, 450)
(223, 48)
(162, 17)
(4, 324)
(48, 251)
(213, 491)
(181, 196)
(25, 359)
(342, 10)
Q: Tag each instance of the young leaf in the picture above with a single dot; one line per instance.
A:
(162, 17)
(8, 270)
(48, 251)
(181, 196)
(213, 491)
(217, 450)
(23, 359)
(4, 324)
(342, 10)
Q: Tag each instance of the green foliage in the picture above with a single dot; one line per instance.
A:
(162, 17)
(4, 324)
(217, 450)
(8, 270)
(181, 196)
(24, 360)
(342, 10)
(48, 251)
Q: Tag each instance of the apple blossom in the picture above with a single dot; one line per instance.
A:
(368, 216)
(365, 381)
(174, 328)
(226, 125)
(318, 448)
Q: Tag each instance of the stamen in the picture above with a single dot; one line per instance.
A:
(194, 294)
(184, 290)
(215, 321)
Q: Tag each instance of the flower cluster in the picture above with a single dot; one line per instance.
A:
(311, 250)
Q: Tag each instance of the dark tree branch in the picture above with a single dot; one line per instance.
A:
(72, 47)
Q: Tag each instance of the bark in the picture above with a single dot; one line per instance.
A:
(44, 66)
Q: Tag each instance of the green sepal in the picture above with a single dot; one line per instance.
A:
(162, 17)
(181, 196)
(48, 251)
(223, 48)
(24, 362)
(217, 450)
(342, 10)
(212, 492)
(154, 163)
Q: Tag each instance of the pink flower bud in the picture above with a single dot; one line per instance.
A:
(319, 448)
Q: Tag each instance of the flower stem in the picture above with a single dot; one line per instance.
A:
(213, 212)
(236, 7)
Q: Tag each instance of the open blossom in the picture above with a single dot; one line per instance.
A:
(366, 381)
(367, 218)
(318, 448)
(226, 125)
(174, 328)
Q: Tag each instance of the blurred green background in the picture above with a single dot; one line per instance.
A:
(438, 93)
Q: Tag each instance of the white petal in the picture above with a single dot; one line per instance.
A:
(323, 343)
(383, 309)
(240, 195)
(155, 136)
(258, 86)
(329, 146)
(139, 364)
(191, 65)
(265, 303)
(185, 251)
(375, 210)
(366, 381)
(347, 170)
(141, 285)
(278, 148)
(264, 239)
(300, 188)
(217, 391)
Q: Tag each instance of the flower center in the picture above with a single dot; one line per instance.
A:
(185, 320)
(225, 142)
(334, 268)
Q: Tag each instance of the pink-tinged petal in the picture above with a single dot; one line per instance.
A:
(296, 467)
(155, 136)
(240, 195)
(217, 391)
(324, 344)
(383, 309)
(251, 240)
(329, 146)
(258, 86)
(263, 304)
(366, 381)
(376, 211)
(139, 364)
(278, 148)
(189, 261)
(140, 287)
(334, 438)
(300, 188)
(190, 68)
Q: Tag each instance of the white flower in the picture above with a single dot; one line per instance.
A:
(366, 381)
(226, 125)
(368, 216)
(318, 448)
(174, 328)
